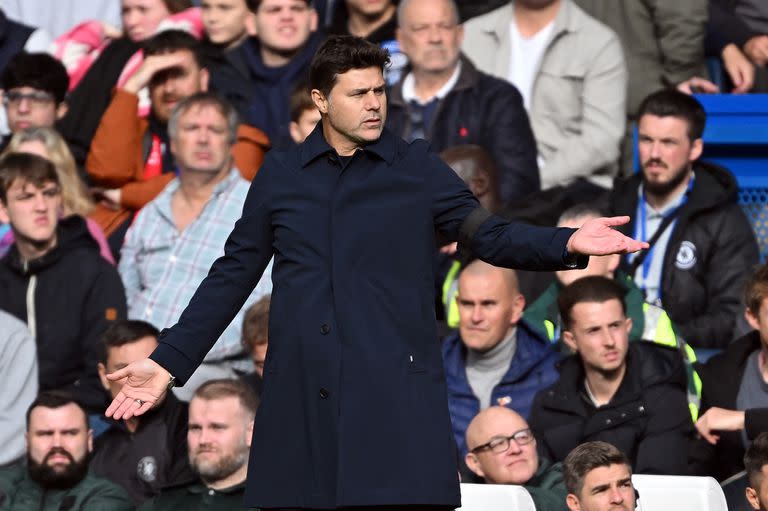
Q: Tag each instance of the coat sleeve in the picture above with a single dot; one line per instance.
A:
(663, 449)
(108, 497)
(510, 137)
(459, 217)
(228, 284)
(18, 365)
(723, 28)
(105, 304)
(680, 28)
(603, 122)
(114, 158)
(731, 260)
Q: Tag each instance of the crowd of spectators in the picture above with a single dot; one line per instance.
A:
(131, 131)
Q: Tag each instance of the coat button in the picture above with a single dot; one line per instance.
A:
(324, 394)
(608, 421)
(325, 329)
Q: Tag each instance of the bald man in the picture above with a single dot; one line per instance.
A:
(502, 450)
(495, 358)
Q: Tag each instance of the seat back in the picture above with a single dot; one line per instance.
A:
(495, 497)
(681, 493)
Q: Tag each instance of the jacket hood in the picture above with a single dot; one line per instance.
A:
(72, 234)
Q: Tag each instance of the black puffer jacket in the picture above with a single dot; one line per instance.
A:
(481, 110)
(76, 295)
(710, 254)
(647, 419)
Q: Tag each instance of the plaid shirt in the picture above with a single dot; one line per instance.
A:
(161, 267)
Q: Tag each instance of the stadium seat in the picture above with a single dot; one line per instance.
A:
(681, 493)
(495, 497)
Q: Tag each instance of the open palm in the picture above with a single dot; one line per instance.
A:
(146, 383)
(598, 237)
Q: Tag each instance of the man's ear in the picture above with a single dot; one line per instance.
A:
(569, 340)
(90, 439)
(4, 218)
(62, 110)
(748, 315)
(474, 464)
(103, 376)
(572, 501)
(320, 101)
(696, 149)
(752, 498)
(249, 434)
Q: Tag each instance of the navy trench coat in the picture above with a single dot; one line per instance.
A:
(354, 406)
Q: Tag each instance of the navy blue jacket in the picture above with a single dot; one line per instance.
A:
(353, 408)
(481, 110)
(532, 369)
(259, 93)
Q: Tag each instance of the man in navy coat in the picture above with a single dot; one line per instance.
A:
(353, 410)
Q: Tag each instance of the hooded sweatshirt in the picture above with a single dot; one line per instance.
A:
(67, 297)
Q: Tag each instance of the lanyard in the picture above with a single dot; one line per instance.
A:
(641, 232)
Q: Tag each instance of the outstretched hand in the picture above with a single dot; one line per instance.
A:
(146, 383)
(598, 237)
(716, 420)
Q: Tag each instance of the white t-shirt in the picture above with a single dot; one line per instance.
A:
(524, 58)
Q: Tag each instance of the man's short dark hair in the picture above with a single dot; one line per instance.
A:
(755, 459)
(55, 399)
(300, 101)
(673, 103)
(39, 71)
(30, 168)
(124, 332)
(256, 324)
(585, 458)
(593, 289)
(342, 53)
(229, 387)
(176, 6)
(169, 41)
(756, 289)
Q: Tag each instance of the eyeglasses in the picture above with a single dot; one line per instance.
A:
(498, 445)
(36, 98)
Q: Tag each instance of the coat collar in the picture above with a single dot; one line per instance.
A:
(316, 145)
(468, 79)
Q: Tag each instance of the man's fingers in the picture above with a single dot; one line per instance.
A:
(615, 220)
(119, 375)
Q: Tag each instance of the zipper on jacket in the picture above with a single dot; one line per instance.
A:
(31, 313)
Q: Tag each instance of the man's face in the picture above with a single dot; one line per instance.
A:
(356, 107)
(32, 212)
(603, 266)
(488, 308)
(758, 497)
(168, 87)
(120, 356)
(605, 489)
(759, 321)
(141, 17)
(58, 443)
(665, 152)
(284, 26)
(368, 8)
(600, 334)
(27, 107)
(430, 35)
(301, 129)
(225, 20)
(516, 465)
(258, 355)
(201, 143)
(219, 437)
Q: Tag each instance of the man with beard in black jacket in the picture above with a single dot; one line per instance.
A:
(54, 279)
(705, 247)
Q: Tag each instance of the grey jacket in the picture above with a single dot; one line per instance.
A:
(663, 41)
(579, 94)
(18, 372)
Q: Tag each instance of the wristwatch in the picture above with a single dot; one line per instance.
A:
(171, 382)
